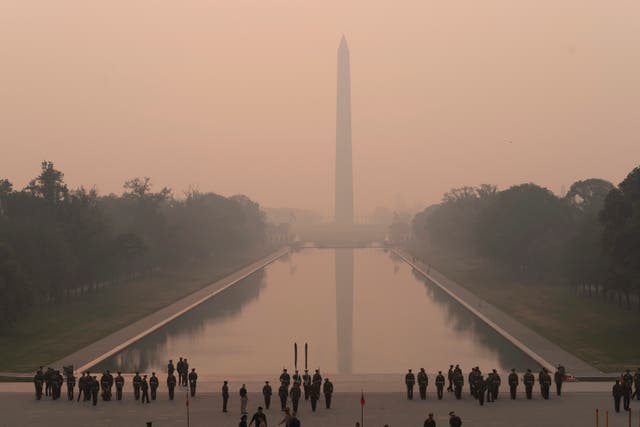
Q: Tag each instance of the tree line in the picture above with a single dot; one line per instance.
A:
(588, 238)
(58, 243)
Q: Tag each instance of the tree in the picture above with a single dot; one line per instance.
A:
(49, 184)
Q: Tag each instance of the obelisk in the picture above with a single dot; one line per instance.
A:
(344, 173)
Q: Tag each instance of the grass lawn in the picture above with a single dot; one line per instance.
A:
(602, 334)
(51, 332)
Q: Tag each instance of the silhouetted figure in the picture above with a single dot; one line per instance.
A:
(144, 389)
(327, 389)
(243, 399)
(71, 383)
(171, 385)
(119, 380)
(513, 384)
(295, 395)
(306, 381)
(454, 420)
(267, 392)
(529, 380)
(193, 379)
(440, 384)
(430, 422)
(38, 382)
(153, 384)
(410, 381)
(617, 394)
(137, 382)
(423, 381)
(225, 396)
(283, 393)
(95, 388)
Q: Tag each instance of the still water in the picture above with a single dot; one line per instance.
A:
(359, 310)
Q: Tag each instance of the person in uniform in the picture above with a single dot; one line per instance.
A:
(306, 381)
(327, 389)
(243, 421)
(170, 367)
(450, 377)
(473, 382)
(454, 420)
(38, 382)
(558, 378)
(295, 394)
(458, 383)
(119, 385)
(529, 380)
(171, 385)
(315, 395)
(193, 378)
(440, 384)
(185, 373)
(153, 384)
(94, 385)
(513, 383)
(317, 379)
(104, 386)
(266, 393)
(283, 393)
(71, 383)
(144, 390)
(88, 386)
(285, 379)
(81, 386)
(545, 383)
(137, 382)
(225, 396)
(259, 418)
(626, 394)
(481, 388)
(180, 369)
(617, 394)
(47, 381)
(243, 399)
(56, 384)
(488, 386)
(410, 381)
(636, 381)
(297, 378)
(496, 384)
(423, 381)
(430, 422)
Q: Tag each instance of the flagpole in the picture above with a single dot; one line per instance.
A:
(187, 409)
(362, 408)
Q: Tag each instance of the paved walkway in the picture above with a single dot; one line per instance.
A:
(569, 410)
(111, 344)
(536, 346)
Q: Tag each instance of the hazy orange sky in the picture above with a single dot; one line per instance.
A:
(238, 96)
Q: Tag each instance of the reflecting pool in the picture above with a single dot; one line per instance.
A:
(359, 310)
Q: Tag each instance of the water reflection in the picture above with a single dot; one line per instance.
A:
(344, 308)
(360, 310)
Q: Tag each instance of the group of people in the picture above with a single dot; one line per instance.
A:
(624, 389)
(89, 386)
(483, 388)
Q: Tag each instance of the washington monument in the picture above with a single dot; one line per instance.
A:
(344, 173)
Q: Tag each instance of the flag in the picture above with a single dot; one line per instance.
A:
(362, 399)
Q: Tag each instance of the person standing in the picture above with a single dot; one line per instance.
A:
(71, 383)
(225, 396)
(529, 380)
(104, 386)
(81, 385)
(243, 399)
(259, 418)
(144, 389)
(95, 388)
(626, 394)
(137, 382)
(315, 395)
(295, 394)
(171, 385)
(423, 381)
(454, 420)
(450, 377)
(617, 394)
(267, 392)
(297, 378)
(170, 367)
(153, 383)
(636, 381)
(558, 379)
(306, 382)
(193, 378)
(180, 369)
(88, 386)
(317, 379)
(285, 379)
(545, 383)
(327, 389)
(440, 384)
(283, 392)
(410, 381)
(430, 422)
(185, 373)
(38, 381)
(495, 385)
(458, 383)
(513, 383)
(119, 380)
